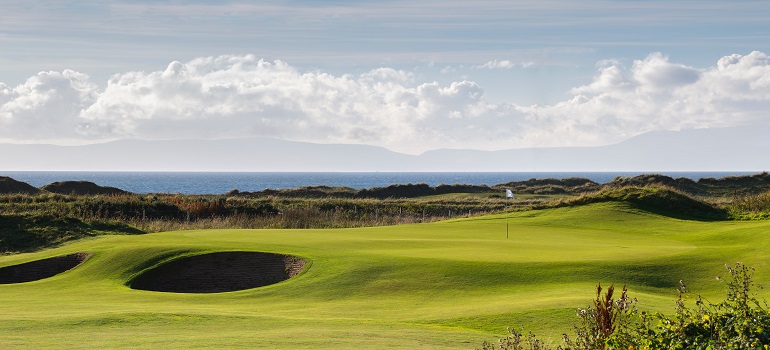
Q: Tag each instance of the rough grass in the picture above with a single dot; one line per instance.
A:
(656, 199)
(444, 285)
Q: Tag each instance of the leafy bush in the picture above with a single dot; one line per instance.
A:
(739, 322)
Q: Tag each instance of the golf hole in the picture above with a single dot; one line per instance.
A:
(219, 272)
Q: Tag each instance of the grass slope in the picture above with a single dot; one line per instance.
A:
(445, 285)
(31, 231)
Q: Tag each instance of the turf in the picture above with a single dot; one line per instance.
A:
(445, 285)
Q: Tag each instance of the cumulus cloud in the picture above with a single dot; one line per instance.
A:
(244, 96)
(655, 94)
(45, 107)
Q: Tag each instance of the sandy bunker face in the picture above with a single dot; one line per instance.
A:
(40, 269)
(219, 272)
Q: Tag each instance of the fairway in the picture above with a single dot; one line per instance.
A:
(444, 285)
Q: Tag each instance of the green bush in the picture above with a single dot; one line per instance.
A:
(738, 322)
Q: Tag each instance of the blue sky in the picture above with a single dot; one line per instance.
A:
(409, 76)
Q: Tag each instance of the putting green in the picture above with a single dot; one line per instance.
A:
(445, 285)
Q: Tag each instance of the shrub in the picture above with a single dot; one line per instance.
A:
(739, 322)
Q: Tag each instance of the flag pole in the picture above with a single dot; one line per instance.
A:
(506, 212)
(508, 194)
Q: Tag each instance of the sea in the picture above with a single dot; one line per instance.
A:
(222, 182)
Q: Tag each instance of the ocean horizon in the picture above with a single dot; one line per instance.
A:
(222, 182)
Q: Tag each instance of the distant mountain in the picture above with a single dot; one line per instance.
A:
(717, 149)
(255, 154)
(725, 149)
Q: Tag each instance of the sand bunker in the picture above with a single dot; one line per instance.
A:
(40, 269)
(219, 272)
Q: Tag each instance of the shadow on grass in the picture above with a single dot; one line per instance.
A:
(29, 232)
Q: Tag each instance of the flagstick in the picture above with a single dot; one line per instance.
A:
(506, 216)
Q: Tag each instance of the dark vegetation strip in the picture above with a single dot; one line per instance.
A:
(32, 218)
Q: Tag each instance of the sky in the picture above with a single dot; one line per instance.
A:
(410, 76)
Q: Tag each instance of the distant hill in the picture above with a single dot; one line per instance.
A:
(85, 188)
(727, 149)
(257, 154)
(11, 186)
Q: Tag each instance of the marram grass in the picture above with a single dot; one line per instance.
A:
(444, 285)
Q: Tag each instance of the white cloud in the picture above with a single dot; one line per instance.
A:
(243, 96)
(495, 64)
(45, 107)
(655, 94)
(239, 96)
(448, 70)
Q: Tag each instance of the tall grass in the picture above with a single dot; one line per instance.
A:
(163, 212)
(750, 207)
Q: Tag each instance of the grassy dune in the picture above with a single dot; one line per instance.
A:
(444, 285)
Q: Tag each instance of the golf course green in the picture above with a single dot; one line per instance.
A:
(442, 285)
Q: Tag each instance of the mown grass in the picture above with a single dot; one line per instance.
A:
(442, 285)
(71, 214)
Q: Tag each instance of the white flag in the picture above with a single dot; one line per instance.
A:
(508, 193)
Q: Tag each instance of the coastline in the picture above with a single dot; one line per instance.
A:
(222, 182)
